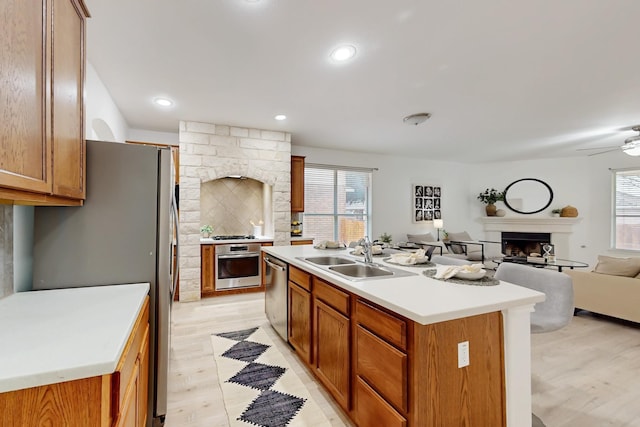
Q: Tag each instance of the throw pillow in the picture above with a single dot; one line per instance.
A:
(474, 255)
(626, 267)
(417, 238)
(459, 249)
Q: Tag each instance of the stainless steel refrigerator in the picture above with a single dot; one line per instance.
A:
(126, 232)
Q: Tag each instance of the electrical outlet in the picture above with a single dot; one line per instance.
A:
(463, 354)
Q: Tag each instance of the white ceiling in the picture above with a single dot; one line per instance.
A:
(504, 79)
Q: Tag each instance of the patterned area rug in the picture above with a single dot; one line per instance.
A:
(258, 385)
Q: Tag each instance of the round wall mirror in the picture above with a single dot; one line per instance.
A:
(528, 196)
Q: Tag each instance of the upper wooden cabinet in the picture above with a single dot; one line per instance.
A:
(42, 159)
(297, 184)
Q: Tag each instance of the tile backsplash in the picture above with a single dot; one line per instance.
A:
(230, 205)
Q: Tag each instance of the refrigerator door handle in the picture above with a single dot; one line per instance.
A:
(176, 224)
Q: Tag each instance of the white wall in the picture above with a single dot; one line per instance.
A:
(141, 135)
(99, 106)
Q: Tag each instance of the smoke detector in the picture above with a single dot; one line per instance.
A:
(416, 119)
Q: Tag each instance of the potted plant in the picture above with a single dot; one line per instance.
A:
(385, 238)
(489, 197)
(206, 230)
(556, 212)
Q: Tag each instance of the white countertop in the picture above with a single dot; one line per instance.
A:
(60, 335)
(419, 298)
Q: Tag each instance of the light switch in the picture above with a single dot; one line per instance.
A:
(463, 354)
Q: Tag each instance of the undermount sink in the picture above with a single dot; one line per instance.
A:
(329, 260)
(361, 270)
(352, 269)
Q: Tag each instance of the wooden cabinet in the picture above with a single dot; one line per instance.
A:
(42, 132)
(384, 369)
(381, 366)
(300, 305)
(297, 184)
(131, 376)
(207, 269)
(117, 399)
(331, 340)
(302, 242)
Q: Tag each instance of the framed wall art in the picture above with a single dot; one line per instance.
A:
(427, 201)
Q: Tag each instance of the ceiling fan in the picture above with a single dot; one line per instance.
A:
(631, 145)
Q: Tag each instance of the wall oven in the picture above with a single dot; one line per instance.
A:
(237, 266)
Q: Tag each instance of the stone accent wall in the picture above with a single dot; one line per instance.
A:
(209, 151)
(6, 250)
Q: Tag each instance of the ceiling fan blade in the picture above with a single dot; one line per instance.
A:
(602, 152)
(598, 148)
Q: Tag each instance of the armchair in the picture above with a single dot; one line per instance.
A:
(461, 245)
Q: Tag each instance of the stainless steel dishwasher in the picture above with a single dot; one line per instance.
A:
(276, 294)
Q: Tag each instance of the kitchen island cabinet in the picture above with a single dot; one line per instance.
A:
(332, 340)
(84, 357)
(300, 309)
(402, 347)
(42, 133)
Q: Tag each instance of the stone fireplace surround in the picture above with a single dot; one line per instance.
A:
(208, 152)
(559, 228)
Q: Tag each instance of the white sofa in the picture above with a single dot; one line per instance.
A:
(612, 288)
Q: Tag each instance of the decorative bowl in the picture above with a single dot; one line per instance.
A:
(471, 275)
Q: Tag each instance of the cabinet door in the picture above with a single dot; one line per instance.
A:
(143, 382)
(300, 321)
(373, 410)
(128, 412)
(297, 184)
(25, 162)
(207, 269)
(67, 81)
(331, 350)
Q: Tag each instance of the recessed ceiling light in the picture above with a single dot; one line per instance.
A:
(163, 102)
(280, 117)
(343, 53)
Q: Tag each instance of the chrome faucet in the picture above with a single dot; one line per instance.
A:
(366, 249)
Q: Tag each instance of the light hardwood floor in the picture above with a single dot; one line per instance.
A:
(585, 375)
(195, 398)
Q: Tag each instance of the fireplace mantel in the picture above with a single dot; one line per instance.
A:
(529, 224)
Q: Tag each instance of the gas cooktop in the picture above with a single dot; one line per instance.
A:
(234, 237)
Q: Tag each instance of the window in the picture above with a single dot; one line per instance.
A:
(337, 202)
(626, 209)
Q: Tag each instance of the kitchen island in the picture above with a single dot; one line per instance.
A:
(412, 351)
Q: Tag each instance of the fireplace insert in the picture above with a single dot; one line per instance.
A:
(521, 245)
